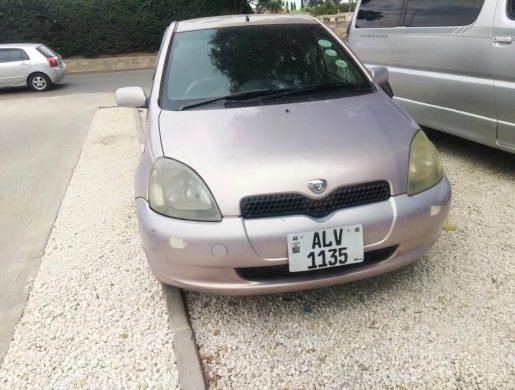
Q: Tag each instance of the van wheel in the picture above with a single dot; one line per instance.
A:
(387, 88)
(39, 82)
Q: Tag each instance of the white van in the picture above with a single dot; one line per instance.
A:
(451, 63)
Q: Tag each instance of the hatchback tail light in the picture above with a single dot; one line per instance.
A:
(52, 62)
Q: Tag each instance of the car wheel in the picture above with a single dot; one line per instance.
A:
(39, 82)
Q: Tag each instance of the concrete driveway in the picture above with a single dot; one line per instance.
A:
(40, 141)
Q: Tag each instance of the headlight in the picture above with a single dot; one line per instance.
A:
(176, 191)
(425, 165)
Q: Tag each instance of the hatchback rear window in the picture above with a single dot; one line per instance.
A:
(218, 62)
(46, 52)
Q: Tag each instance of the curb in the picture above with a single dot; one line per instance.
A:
(139, 128)
(189, 365)
(72, 73)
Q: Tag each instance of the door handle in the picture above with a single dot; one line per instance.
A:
(503, 40)
(23, 64)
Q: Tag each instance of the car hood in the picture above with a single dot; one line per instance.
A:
(241, 152)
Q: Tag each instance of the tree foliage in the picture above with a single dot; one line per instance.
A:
(272, 6)
(328, 7)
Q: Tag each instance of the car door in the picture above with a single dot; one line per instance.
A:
(14, 67)
(503, 67)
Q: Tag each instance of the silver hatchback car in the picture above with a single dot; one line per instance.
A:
(32, 65)
(273, 161)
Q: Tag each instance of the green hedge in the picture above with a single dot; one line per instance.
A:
(94, 27)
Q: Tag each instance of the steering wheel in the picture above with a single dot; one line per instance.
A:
(207, 86)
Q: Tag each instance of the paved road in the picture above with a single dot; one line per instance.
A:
(41, 135)
(86, 83)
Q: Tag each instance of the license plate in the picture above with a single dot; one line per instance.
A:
(318, 249)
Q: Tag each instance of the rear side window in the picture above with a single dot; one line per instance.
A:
(418, 13)
(380, 13)
(436, 13)
(511, 9)
(12, 55)
(46, 52)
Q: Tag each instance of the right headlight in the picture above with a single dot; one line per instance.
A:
(425, 165)
(175, 190)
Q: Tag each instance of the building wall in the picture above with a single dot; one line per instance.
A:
(338, 22)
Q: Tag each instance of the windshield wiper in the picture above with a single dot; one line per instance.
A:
(266, 94)
(237, 95)
(306, 90)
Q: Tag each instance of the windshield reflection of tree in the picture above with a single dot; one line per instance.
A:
(267, 57)
(369, 16)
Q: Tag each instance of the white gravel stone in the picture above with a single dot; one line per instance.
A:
(444, 322)
(96, 317)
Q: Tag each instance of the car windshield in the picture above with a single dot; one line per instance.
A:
(213, 63)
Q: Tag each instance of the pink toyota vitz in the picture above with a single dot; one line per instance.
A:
(274, 161)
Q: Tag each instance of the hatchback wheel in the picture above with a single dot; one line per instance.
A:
(39, 82)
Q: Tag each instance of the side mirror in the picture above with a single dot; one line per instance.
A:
(132, 97)
(380, 74)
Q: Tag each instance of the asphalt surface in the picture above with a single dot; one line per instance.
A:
(85, 83)
(41, 136)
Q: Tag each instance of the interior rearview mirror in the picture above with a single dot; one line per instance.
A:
(132, 97)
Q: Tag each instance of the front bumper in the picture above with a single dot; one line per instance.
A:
(190, 254)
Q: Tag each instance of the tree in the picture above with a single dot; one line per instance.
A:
(272, 6)
(291, 5)
(295, 6)
(301, 4)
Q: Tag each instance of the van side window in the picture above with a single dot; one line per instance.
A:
(379, 14)
(420, 13)
(436, 13)
(511, 9)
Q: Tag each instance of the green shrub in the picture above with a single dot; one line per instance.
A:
(94, 27)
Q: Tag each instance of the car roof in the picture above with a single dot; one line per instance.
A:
(18, 45)
(241, 20)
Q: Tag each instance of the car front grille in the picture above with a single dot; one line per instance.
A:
(279, 205)
(282, 272)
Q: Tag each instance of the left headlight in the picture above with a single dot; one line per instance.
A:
(175, 190)
(425, 164)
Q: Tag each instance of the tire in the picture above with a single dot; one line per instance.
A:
(39, 82)
(387, 88)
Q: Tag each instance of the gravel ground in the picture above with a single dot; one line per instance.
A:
(96, 317)
(446, 321)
